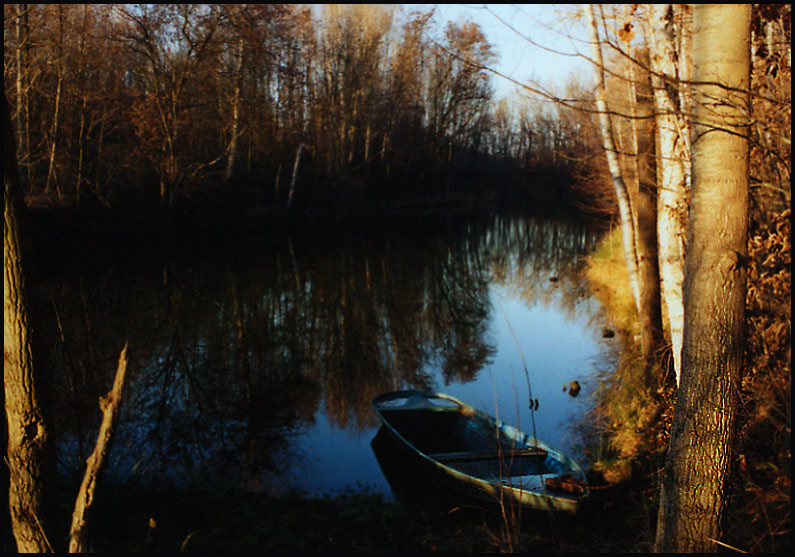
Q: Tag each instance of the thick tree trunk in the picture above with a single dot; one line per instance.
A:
(609, 145)
(693, 495)
(672, 157)
(29, 453)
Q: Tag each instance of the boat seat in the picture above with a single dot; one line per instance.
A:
(488, 455)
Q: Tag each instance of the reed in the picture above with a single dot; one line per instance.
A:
(510, 513)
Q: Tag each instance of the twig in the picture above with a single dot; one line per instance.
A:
(41, 528)
(185, 543)
(738, 550)
(109, 404)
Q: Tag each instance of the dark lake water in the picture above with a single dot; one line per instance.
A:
(254, 365)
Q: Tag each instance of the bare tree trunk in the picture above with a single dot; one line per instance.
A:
(57, 110)
(697, 464)
(230, 161)
(81, 139)
(295, 175)
(609, 145)
(672, 158)
(645, 203)
(80, 143)
(54, 134)
(683, 18)
(100, 141)
(29, 453)
(21, 31)
(367, 144)
(276, 181)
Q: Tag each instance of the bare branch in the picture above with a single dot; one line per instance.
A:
(110, 405)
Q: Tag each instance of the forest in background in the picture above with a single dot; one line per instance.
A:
(195, 111)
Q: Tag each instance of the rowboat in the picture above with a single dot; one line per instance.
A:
(467, 452)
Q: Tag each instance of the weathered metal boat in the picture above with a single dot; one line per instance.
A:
(465, 451)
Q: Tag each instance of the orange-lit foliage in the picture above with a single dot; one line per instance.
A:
(761, 515)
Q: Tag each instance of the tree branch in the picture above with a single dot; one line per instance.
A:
(110, 405)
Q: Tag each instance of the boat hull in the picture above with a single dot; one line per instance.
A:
(466, 452)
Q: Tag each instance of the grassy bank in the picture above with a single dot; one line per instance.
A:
(630, 420)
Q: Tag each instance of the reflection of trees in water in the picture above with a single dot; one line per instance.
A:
(233, 356)
(387, 312)
(541, 259)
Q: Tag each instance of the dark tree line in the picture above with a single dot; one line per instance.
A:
(249, 105)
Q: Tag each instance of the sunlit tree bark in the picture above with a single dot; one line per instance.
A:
(693, 483)
(29, 453)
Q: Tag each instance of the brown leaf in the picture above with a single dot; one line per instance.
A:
(626, 32)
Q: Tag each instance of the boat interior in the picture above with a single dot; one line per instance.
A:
(453, 439)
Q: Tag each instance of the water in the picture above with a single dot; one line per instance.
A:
(254, 366)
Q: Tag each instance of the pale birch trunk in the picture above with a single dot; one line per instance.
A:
(609, 145)
(693, 483)
(672, 158)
